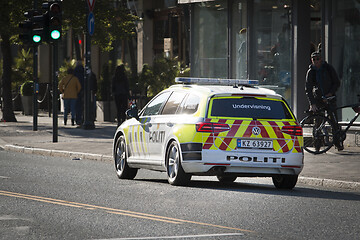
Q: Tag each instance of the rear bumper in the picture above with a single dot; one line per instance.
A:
(245, 163)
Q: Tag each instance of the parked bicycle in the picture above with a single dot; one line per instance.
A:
(320, 130)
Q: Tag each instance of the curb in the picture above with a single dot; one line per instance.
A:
(317, 182)
(58, 153)
(329, 183)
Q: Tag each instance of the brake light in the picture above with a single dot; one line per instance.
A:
(212, 127)
(292, 130)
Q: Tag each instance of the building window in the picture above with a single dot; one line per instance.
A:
(273, 44)
(239, 39)
(345, 51)
(210, 41)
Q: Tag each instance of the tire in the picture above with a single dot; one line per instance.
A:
(123, 170)
(285, 181)
(175, 172)
(318, 132)
(226, 179)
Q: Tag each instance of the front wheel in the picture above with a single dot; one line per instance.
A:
(285, 181)
(123, 170)
(318, 132)
(175, 172)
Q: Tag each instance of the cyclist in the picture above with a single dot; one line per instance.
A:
(322, 81)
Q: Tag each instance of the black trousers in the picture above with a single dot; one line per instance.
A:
(121, 102)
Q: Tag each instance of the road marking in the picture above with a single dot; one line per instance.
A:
(177, 237)
(114, 210)
(151, 218)
(4, 177)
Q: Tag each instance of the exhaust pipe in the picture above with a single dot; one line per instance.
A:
(219, 170)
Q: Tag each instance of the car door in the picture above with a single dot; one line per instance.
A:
(163, 124)
(149, 134)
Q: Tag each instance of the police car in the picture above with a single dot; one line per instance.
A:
(214, 127)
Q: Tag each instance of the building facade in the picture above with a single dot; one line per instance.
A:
(271, 41)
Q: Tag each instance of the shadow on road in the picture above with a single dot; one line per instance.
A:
(266, 189)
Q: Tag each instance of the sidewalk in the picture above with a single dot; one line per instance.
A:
(333, 169)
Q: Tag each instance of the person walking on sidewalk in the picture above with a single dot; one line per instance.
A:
(120, 90)
(70, 86)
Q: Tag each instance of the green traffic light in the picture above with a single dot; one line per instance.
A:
(55, 34)
(36, 38)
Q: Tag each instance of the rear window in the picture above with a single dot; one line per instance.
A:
(249, 108)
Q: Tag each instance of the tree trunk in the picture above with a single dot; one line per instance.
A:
(7, 110)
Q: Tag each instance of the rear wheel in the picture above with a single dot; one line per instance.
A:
(123, 170)
(318, 132)
(285, 181)
(226, 179)
(174, 170)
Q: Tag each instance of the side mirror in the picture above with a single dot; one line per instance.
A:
(132, 112)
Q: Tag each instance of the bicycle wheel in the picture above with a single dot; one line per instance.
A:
(318, 132)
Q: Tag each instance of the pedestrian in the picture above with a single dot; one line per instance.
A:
(79, 73)
(120, 90)
(322, 81)
(70, 86)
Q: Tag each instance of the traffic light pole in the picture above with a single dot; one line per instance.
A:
(36, 90)
(35, 82)
(55, 92)
(88, 120)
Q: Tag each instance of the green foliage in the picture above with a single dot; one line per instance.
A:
(158, 77)
(113, 21)
(27, 88)
(12, 13)
(22, 69)
(66, 65)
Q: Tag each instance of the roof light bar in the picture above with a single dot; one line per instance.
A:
(215, 81)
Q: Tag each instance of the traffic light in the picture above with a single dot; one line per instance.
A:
(39, 28)
(26, 28)
(55, 15)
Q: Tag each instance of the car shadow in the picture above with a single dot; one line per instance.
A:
(266, 189)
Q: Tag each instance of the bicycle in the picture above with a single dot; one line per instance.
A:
(320, 130)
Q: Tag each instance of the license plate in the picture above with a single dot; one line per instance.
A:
(259, 144)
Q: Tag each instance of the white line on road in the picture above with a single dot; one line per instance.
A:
(177, 237)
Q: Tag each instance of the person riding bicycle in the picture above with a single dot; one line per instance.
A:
(322, 81)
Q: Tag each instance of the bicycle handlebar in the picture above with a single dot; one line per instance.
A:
(327, 99)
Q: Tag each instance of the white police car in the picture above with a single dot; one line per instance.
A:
(225, 128)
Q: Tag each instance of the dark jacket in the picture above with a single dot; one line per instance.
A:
(329, 82)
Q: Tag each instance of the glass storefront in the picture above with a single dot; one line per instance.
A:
(210, 41)
(272, 34)
(272, 25)
(239, 39)
(254, 39)
(345, 51)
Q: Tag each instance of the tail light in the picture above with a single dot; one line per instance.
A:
(295, 130)
(212, 127)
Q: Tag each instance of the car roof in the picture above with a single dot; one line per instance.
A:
(211, 90)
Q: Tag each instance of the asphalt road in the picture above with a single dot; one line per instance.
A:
(61, 198)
